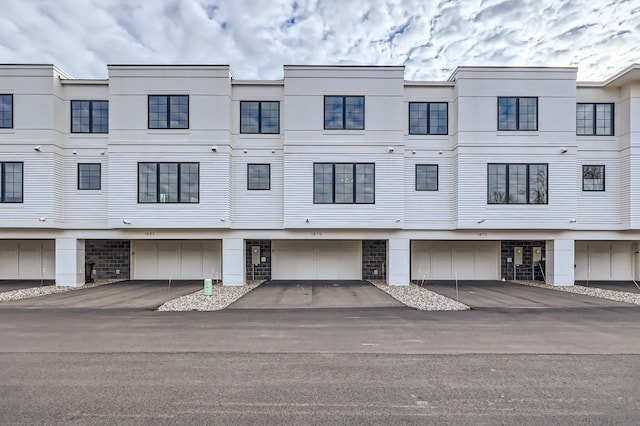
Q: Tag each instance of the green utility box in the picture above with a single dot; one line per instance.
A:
(208, 287)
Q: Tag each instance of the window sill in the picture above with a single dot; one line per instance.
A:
(517, 132)
(168, 131)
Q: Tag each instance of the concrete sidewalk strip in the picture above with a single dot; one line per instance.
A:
(618, 296)
(27, 293)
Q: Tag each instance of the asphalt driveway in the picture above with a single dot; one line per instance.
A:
(135, 294)
(11, 285)
(626, 286)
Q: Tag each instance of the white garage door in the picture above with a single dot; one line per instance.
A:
(604, 260)
(179, 259)
(316, 260)
(446, 260)
(27, 259)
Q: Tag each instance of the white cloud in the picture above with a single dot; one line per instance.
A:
(256, 37)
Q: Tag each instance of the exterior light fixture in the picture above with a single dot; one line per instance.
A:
(36, 148)
(391, 149)
(481, 220)
(126, 221)
(307, 220)
(42, 219)
(563, 150)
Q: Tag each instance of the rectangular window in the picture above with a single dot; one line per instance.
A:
(344, 112)
(517, 184)
(258, 176)
(517, 113)
(89, 116)
(593, 178)
(344, 183)
(259, 117)
(428, 118)
(89, 176)
(6, 111)
(426, 177)
(594, 119)
(11, 182)
(168, 182)
(168, 111)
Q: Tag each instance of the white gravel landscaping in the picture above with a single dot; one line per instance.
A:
(223, 296)
(26, 293)
(419, 298)
(619, 296)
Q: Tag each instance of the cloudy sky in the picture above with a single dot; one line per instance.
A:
(430, 37)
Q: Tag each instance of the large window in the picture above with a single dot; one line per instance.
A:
(89, 116)
(593, 178)
(594, 119)
(427, 118)
(11, 182)
(259, 176)
(344, 112)
(6, 111)
(259, 117)
(344, 183)
(168, 112)
(168, 182)
(89, 176)
(517, 113)
(517, 184)
(426, 177)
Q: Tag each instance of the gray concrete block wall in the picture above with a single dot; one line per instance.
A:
(109, 256)
(374, 259)
(527, 270)
(262, 271)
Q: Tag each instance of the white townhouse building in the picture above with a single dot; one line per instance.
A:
(333, 172)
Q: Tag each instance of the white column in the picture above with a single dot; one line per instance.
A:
(232, 261)
(399, 255)
(560, 262)
(69, 262)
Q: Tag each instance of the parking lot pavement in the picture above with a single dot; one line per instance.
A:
(499, 294)
(136, 294)
(626, 286)
(290, 294)
(11, 285)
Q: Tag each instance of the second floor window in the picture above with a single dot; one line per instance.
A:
(89, 176)
(259, 117)
(517, 113)
(427, 118)
(89, 116)
(594, 119)
(593, 178)
(11, 182)
(517, 184)
(168, 182)
(344, 183)
(168, 111)
(6, 111)
(344, 112)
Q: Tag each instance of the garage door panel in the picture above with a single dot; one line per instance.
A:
(621, 261)
(8, 261)
(191, 259)
(27, 259)
(179, 259)
(448, 260)
(212, 259)
(312, 260)
(604, 260)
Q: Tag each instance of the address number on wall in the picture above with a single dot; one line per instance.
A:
(482, 234)
(149, 233)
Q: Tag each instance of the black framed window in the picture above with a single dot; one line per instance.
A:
(593, 178)
(594, 119)
(168, 111)
(517, 113)
(6, 111)
(259, 176)
(260, 117)
(428, 118)
(11, 182)
(426, 177)
(344, 183)
(89, 175)
(344, 112)
(89, 116)
(517, 184)
(168, 183)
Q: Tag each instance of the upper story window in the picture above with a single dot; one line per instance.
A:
(426, 177)
(168, 111)
(593, 178)
(517, 184)
(594, 119)
(344, 112)
(168, 182)
(11, 182)
(517, 113)
(259, 176)
(344, 183)
(428, 118)
(259, 117)
(89, 116)
(6, 111)
(89, 175)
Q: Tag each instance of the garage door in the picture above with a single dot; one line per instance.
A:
(27, 259)
(179, 259)
(446, 260)
(316, 260)
(604, 260)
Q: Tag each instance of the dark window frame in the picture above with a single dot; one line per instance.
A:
(528, 190)
(249, 188)
(333, 192)
(344, 112)
(594, 129)
(602, 166)
(91, 102)
(178, 184)
(2, 183)
(99, 176)
(168, 112)
(12, 110)
(517, 98)
(437, 177)
(429, 132)
(260, 132)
